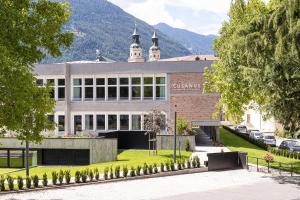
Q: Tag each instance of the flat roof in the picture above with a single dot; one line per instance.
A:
(78, 68)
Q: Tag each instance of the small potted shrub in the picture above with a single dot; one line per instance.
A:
(188, 164)
(125, 171)
(28, 182)
(2, 183)
(179, 165)
(111, 173)
(197, 161)
(96, 172)
(54, 177)
(150, 168)
(84, 175)
(172, 165)
(268, 158)
(77, 177)
(68, 176)
(162, 167)
(45, 180)
(183, 164)
(35, 180)
(61, 175)
(117, 171)
(105, 175)
(132, 172)
(138, 170)
(20, 183)
(194, 164)
(167, 166)
(10, 182)
(145, 169)
(187, 145)
(91, 175)
(155, 170)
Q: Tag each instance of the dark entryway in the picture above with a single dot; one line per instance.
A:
(205, 136)
(64, 157)
(129, 139)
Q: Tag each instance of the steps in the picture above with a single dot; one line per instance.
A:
(202, 139)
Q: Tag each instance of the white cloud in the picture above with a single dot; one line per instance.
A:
(187, 14)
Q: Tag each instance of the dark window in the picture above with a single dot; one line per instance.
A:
(148, 80)
(50, 82)
(136, 92)
(100, 122)
(100, 81)
(61, 82)
(124, 122)
(61, 123)
(136, 122)
(39, 82)
(89, 123)
(136, 81)
(78, 122)
(100, 92)
(112, 93)
(89, 94)
(160, 92)
(51, 118)
(112, 81)
(88, 81)
(112, 122)
(61, 93)
(160, 80)
(124, 92)
(124, 81)
(148, 92)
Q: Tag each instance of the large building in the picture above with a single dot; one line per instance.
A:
(105, 96)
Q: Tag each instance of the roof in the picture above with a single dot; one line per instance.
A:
(191, 58)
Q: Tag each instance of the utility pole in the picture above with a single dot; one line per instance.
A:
(27, 157)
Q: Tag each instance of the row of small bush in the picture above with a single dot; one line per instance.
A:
(64, 177)
(246, 137)
(284, 153)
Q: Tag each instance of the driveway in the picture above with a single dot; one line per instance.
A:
(226, 185)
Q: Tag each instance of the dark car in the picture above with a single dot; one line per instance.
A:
(290, 145)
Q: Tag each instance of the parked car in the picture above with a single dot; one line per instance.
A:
(269, 140)
(241, 129)
(256, 134)
(290, 145)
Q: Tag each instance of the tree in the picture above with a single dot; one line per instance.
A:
(181, 125)
(259, 51)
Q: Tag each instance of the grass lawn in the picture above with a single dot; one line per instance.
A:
(125, 157)
(235, 143)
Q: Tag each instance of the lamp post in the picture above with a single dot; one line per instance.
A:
(175, 125)
(27, 157)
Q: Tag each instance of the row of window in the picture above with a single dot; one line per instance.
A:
(124, 88)
(91, 122)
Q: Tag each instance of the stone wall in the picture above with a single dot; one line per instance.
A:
(167, 141)
(101, 149)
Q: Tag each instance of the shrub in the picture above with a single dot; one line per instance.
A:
(125, 171)
(197, 161)
(162, 167)
(132, 172)
(188, 164)
(77, 177)
(45, 180)
(68, 176)
(117, 171)
(10, 182)
(167, 166)
(61, 175)
(172, 165)
(194, 164)
(145, 169)
(35, 180)
(268, 158)
(20, 183)
(150, 168)
(111, 173)
(96, 172)
(28, 182)
(183, 164)
(187, 145)
(2, 183)
(54, 177)
(105, 175)
(138, 170)
(155, 170)
(179, 165)
(84, 175)
(91, 175)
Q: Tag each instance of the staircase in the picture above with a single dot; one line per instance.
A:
(202, 139)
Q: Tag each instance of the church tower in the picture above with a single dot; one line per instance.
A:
(135, 48)
(154, 51)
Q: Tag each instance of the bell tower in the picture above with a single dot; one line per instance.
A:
(154, 51)
(136, 52)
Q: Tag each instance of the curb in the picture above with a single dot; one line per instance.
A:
(148, 176)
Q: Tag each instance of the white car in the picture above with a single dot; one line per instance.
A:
(269, 140)
(256, 135)
(241, 129)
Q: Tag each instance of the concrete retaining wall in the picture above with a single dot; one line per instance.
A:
(167, 141)
(101, 149)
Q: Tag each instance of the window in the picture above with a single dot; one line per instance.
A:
(77, 123)
(88, 89)
(136, 122)
(50, 82)
(100, 88)
(124, 88)
(112, 122)
(112, 88)
(100, 122)
(61, 123)
(39, 82)
(77, 90)
(160, 88)
(148, 88)
(124, 122)
(136, 88)
(89, 125)
(61, 89)
(51, 118)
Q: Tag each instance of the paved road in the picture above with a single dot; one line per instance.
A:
(228, 185)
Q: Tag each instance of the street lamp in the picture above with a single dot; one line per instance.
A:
(175, 121)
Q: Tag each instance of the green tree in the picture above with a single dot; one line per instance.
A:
(259, 60)
(181, 125)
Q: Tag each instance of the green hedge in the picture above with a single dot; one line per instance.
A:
(284, 153)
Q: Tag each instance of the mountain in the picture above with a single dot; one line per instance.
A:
(196, 43)
(99, 24)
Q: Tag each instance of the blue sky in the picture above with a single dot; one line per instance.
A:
(200, 16)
